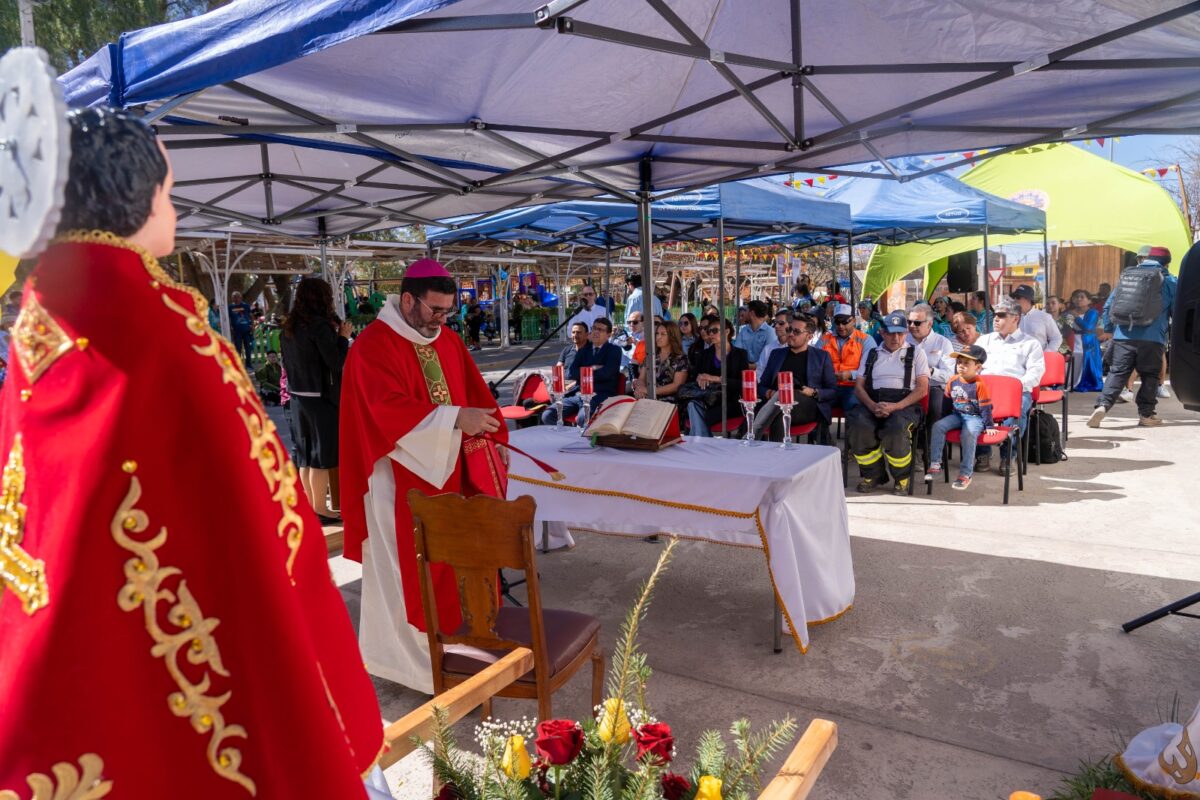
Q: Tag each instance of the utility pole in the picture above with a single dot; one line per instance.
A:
(25, 13)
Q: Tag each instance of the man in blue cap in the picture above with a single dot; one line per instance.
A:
(889, 392)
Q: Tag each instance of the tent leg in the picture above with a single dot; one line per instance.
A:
(985, 257)
(737, 281)
(608, 275)
(721, 324)
(850, 268)
(644, 242)
(1046, 261)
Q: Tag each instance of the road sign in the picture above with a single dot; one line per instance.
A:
(995, 274)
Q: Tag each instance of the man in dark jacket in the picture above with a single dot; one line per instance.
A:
(813, 381)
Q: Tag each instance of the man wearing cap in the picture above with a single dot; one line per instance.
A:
(847, 348)
(938, 350)
(1014, 353)
(1139, 347)
(1035, 322)
(416, 414)
(889, 391)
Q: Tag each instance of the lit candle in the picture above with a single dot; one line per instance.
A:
(585, 380)
(559, 381)
(749, 386)
(786, 396)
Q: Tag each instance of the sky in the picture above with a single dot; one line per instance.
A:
(1134, 152)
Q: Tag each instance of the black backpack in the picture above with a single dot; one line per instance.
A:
(1137, 300)
(1042, 434)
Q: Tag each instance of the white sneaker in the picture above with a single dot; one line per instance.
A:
(1126, 396)
(1097, 415)
(1163, 391)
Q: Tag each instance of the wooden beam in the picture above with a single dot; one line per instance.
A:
(799, 773)
(458, 702)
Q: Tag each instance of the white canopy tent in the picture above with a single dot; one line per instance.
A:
(323, 118)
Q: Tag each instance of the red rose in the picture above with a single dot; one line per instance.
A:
(558, 741)
(674, 786)
(655, 739)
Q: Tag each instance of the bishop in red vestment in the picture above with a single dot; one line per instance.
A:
(168, 625)
(415, 414)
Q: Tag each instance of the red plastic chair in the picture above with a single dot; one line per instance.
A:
(532, 388)
(1006, 403)
(730, 428)
(1052, 389)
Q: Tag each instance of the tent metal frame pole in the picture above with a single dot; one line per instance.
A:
(850, 269)
(985, 262)
(649, 368)
(608, 276)
(721, 324)
(1046, 261)
(737, 280)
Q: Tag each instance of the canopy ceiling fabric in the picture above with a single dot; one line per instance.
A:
(932, 207)
(374, 113)
(1086, 198)
(743, 207)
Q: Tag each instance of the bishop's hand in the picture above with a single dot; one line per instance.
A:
(474, 421)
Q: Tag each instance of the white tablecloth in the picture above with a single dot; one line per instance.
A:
(789, 503)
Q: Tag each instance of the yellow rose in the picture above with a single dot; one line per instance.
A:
(709, 788)
(515, 762)
(1024, 796)
(614, 725)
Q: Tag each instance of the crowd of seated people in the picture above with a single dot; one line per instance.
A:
(886, 373)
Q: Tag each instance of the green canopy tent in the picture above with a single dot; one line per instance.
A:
(1085, 197)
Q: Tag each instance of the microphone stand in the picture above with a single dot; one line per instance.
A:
(494, 386)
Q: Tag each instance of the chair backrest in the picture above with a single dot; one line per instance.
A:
(532, 388)
(476, 537)
(1056, 370)
(1006, 395)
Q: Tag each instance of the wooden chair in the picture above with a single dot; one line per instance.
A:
(478, 537)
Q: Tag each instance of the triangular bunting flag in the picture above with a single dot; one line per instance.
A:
(821, 179)
(1100, 139)
(1162, 172)
(969, 154)
(809, 181)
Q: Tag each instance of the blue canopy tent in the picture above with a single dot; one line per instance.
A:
(333, 116)
(929, 208)
(712, 212)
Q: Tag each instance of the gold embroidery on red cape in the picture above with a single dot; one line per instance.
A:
(21, 573)
(67, 783)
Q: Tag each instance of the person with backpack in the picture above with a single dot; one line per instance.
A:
(1137, 314)
(889, 392)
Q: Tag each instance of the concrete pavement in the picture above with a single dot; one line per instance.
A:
(983, 653)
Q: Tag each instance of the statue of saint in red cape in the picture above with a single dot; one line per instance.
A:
(168, 624)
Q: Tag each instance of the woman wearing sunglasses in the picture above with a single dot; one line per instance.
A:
(701, 414)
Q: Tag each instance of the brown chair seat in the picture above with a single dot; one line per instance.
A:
(567, 634)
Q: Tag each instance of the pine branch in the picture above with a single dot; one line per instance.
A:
(756, 750)
(450, 764)
(626, 650)
(710, 756)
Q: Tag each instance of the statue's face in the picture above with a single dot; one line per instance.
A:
(158, 233)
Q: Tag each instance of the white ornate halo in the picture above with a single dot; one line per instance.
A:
(35, 151)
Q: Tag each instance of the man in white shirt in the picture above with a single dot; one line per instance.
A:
(937, 350)
(591, 310)
(634, 301)
(1014, 353)
(1035, 322)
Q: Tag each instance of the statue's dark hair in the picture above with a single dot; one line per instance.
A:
(115, 169)
(419, 287)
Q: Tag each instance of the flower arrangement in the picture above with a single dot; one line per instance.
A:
(623, 754)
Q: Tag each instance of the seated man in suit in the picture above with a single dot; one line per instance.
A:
(813, 381)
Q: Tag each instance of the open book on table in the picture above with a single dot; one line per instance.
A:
(636, 424)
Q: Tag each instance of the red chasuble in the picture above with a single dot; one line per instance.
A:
(168, 625)
(390, 386)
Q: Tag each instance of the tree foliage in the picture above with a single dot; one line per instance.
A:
(71, 30)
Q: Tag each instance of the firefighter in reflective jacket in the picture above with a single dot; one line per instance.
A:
(889, 392)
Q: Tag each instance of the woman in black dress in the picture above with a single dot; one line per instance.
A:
(314, 345)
